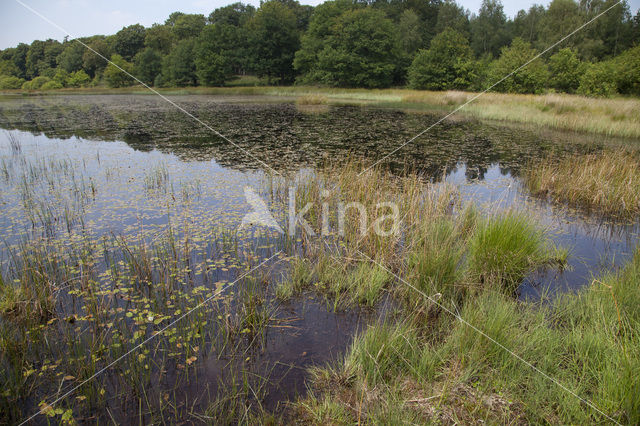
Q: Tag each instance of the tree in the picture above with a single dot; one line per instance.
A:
(528, 25)
(129, 40)
(313, 41)
(489, 29)
(178, 68)
(159, 38)
(361, 51)
(566, 69)
(452, 16)
(236, 14)
(41, 57)
(93, 63)
(216, 53)
(274, 39)
(530, 79)
(113, 74)
(188, 26)
(147, 65)
(446, 65)
(71, 57)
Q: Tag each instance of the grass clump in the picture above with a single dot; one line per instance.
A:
(504, 249)
(300, 275)
(608, 182)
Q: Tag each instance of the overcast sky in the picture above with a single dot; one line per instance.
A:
(89, 17)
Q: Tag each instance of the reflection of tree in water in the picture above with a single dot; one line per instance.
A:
(279, 134)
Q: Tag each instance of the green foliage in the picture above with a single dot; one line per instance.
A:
(129, 40)
(274, 39)
(360, 51)
(489, 29)
(78, 79)
(179, 68)
(7, 67)
(627, 71)
(236, 14)
(159, 38)
(566, 69)
(51, 85)
(36, 83)
(41, 57)
(147, 65)
(188, 26)
(215, 54)
(10, 82)
(598, 80)
(70, 59)
(114, 75)
(94, 63)
(323, 18)
(530, 79)
(446, 65)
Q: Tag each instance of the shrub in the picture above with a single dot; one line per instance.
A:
(36, 83)
(78, 79)
(598, 80)
(10, 82)
(627, 72)
(51, 85)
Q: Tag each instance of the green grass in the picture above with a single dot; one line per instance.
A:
(448, 372)
(504, 249)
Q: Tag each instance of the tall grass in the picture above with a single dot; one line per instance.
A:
(607, 182)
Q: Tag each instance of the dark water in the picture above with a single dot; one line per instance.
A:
(113, 148)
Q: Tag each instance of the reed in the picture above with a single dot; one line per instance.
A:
(606, 183)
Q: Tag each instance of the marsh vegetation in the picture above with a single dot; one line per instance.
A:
(129, 292)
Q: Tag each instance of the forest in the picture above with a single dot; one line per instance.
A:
(420, 44)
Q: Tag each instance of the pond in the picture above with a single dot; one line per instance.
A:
(120, 193)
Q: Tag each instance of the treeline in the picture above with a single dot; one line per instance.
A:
(422, 44)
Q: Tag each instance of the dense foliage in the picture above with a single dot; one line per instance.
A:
(424, 44)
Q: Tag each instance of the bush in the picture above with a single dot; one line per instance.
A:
(627, 72)
(61, 77)
(10, 82)
(36, 83)
(566, 69)
(598, 80)
(78, 79)
(530, 79)
(446, 65)
(51, 85)
(114, 75)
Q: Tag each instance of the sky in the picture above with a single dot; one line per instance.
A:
(89, 17)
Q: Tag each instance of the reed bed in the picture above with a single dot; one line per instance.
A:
(606, 183)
